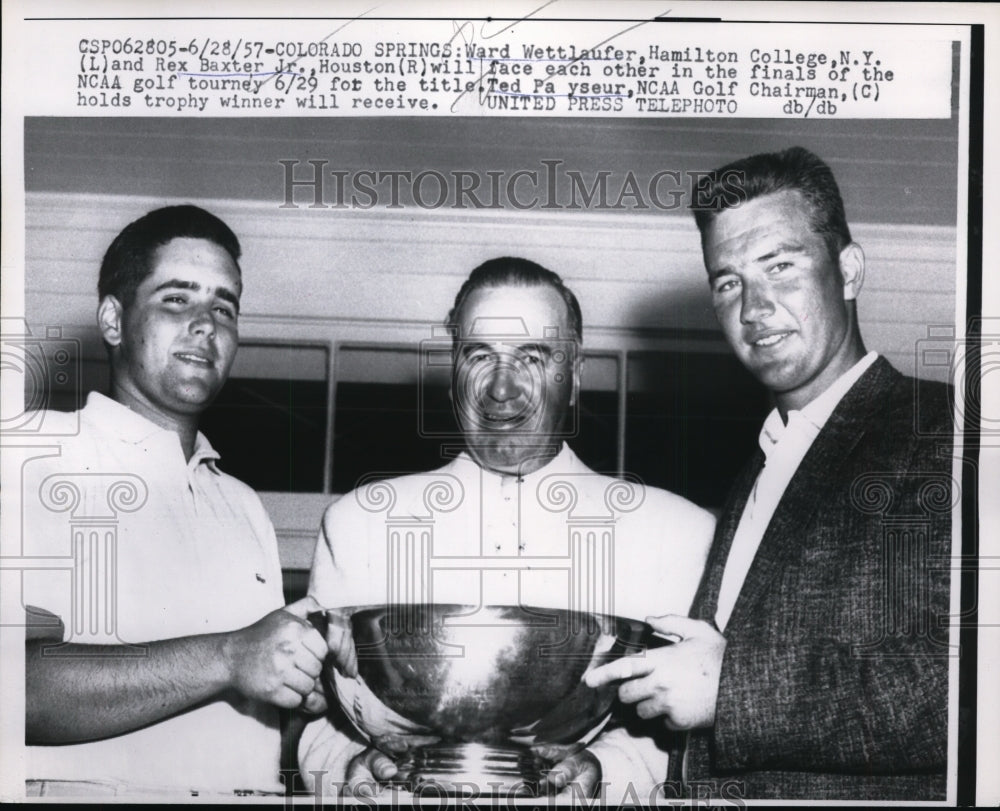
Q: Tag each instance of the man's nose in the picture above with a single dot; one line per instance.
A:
(504, 383)
(757, 302)
(203, 323)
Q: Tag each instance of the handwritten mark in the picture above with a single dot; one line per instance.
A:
(561, 71)
(243, 75)
(483, 35)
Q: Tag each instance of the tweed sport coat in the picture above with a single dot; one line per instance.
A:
(835, 676)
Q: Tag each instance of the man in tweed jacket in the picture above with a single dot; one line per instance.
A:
(815, 662)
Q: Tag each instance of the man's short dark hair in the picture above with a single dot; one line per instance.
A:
(512, 271)
(794, 169)
(129, 259)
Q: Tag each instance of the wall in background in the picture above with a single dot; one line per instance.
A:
(327, 278)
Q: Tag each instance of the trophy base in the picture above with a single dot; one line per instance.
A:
(474, 770)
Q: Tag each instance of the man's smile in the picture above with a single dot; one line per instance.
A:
(502, 420)
(768, 338)
(195, 358)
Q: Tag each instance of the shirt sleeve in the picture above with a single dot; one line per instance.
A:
(660, 556)
(675, 536)
(325, 751)
(349, 566)
(325, 575)
(264, 530)
(633, 763)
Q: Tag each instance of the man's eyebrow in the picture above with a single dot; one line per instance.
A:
(785, 247)
(542, 349)
(472, 346)
(228, 295)
(779, 250)
(183, 284)
(466, 347)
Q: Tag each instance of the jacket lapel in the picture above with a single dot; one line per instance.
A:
(829, 453)
(706, 599)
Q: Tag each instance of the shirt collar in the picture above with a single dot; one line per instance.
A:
(818, 411)
(565, 461)
(204, 452)
(135, 429)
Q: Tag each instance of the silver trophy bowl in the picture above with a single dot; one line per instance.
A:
(477, 700)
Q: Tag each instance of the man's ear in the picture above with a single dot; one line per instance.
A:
(852, 270)
(109, 320)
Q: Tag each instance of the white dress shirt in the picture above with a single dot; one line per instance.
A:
(466, 535)
(784, 446)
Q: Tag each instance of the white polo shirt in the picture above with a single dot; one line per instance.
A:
(147, 546)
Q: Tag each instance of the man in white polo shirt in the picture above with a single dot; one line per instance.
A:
(155, 663)
(814, 664)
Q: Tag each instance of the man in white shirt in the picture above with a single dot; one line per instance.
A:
(514, 519)
(813, 664)
(157, 647)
